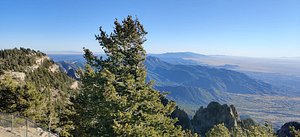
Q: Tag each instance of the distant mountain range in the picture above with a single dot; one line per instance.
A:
(178, 55)
(193, 80)
(282, 73)
(198, 85)
(208, 78)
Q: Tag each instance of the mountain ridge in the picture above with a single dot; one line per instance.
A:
(189, 97)
(34, 87)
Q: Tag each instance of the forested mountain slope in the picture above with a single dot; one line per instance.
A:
(33, 86)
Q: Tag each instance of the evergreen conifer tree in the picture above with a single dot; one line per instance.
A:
(115, 99)
(218, 131)
(21, 98)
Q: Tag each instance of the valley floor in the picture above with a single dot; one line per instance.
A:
(276, 109)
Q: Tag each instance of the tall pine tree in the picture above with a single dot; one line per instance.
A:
(115, 99)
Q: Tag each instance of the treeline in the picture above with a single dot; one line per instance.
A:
(18, 60)
(15, 59)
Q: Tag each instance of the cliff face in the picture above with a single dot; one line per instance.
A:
(183, 119)
(215, 113)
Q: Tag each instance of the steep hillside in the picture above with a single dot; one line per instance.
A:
(34, 66)
(33, 86)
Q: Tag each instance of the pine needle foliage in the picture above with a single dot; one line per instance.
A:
(115, 99)
(218, 131)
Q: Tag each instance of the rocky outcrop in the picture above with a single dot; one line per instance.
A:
(183, 119)
(285, 131)
(54, 68)
(74, 85)
(215, 113)
(38, 62)
(16, 75)
(21, 75)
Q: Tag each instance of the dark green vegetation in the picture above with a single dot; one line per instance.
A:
(32, 86)
(21, 97)
(15, 59)
(115, 99)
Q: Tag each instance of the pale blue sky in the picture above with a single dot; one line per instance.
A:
(258, 28)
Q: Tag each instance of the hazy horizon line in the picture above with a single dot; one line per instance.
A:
(171, 52)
